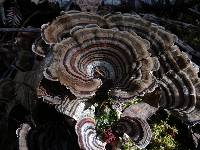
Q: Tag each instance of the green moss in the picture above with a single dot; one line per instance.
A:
(128, 145)
(104, 119)
(163, 137)
(164, 134)
(131, 102)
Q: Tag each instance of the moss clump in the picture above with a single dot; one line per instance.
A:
(127, 144)
(131, 102)
(163, 137)
(104, 119)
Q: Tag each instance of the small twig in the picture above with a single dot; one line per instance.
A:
(97, 70)
(37, 30)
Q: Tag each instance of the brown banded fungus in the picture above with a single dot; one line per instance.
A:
(55, 31)
(72, 108)
(178, 82)
(136, 128)
(93, 55)
(141, 110)
(159, 39)
(176, 75)
(134, 123)
(133, 54)
(39, 47)
(22, 133)
(87, 137)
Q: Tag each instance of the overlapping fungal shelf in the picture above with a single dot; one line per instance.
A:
(133, 56)
(177, 75)
(178, 83)
(159, 38)
(136, 128)
(141, 110)
(93, 55)
(134, 123)
(55, 31)
(39, 47)
(72, 108)
(87, 137)
(22, 134)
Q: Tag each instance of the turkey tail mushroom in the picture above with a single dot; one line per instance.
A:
(176, 74)
(134, 56)
(94, 55)
(22, 134)
(87, 137)
(179, 77)
(55, 31)
(192, 118)
(177, 92)
(134, 119)
(160, 39)
(72, 108)
(136, 128)
(141, 110)
(39, 47)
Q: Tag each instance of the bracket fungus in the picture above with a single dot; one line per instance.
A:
(141, 110)
(176, 75)
(85, 129)
(39, 47)
(55, 31)
(72, 108)
(87, 51)
(159, 39)
(22, 134)
(93, 55)
(136, 128)
(134, 123)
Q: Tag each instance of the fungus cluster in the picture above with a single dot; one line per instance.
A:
(130, 55)
(87, 137)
